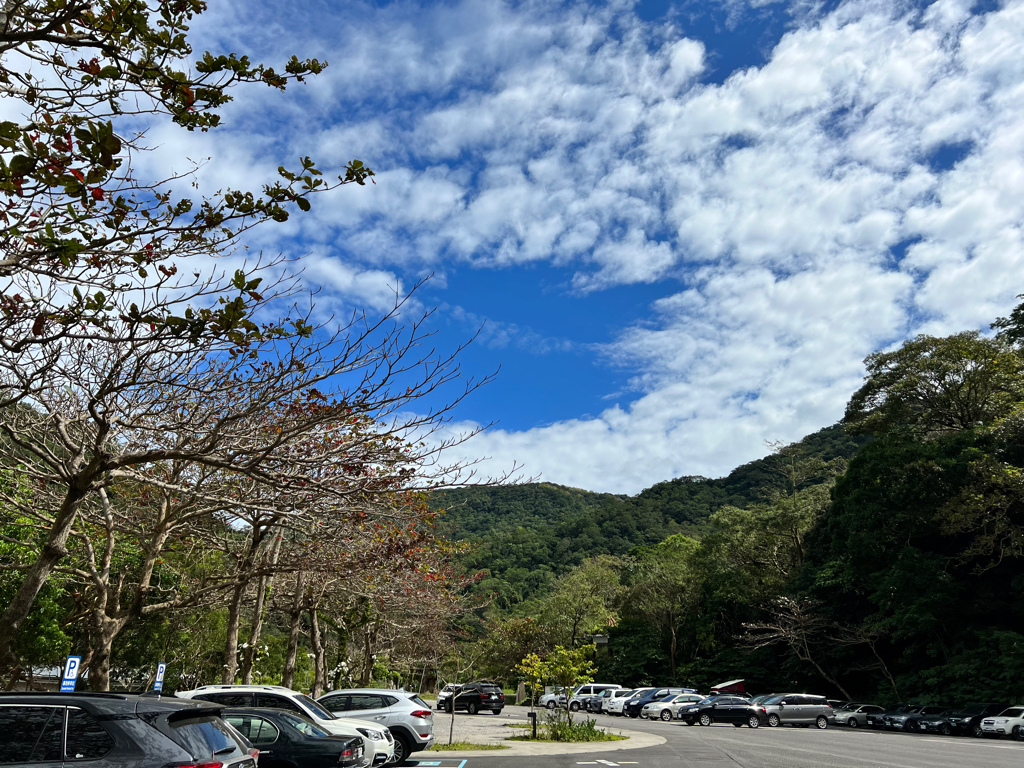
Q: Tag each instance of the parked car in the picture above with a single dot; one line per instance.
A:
(855, 715)
(911, 721)
(378, 743)
(552, 698)
(476, 697)
(116, 729)
(635, 704)
(967, 721)
(286, 740)
(667, 707)
(596, 702)
(444, 694)
(404, 713)
(1009, 722)
(615, 704)
(798, 709)
(585, 691)
(728, 709)
(688, 712)
(937, 723)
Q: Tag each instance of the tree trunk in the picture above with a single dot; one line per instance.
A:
(319, 654)
(295, 615)
(266, 583)
(231, 642)
(105, 632)
(52, 553)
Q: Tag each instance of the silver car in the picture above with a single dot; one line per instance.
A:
(798, 709)
(856, 715)
(405, 714)
(668, 707)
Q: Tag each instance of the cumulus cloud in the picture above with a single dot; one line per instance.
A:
(864, 184)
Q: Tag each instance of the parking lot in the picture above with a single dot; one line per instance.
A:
(723, 746)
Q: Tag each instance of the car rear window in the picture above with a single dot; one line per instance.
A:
(204, 737)
(419, 702)
(86, 738)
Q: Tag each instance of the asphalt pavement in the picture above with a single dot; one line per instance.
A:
(724, 746)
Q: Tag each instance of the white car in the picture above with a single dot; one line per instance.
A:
(555, 698)
(1009, 722)
(378, 743)
(667, 707)
(446, 693)
(613, 706)
(404, 713)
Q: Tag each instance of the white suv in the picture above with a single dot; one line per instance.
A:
(405, 714)
(1009, 722)
(377, 739)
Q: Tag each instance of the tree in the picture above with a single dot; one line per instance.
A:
(582, 601)
(80, 230)
(564, 667)
(937, 385)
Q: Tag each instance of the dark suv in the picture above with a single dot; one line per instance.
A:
(968, 720)
(474, 697)
(49, 730)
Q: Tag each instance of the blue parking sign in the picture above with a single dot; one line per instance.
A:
(67, 683)
(158, 684)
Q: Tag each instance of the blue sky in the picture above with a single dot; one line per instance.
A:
(678, 227)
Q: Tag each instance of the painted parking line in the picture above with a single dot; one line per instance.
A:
(444, 762)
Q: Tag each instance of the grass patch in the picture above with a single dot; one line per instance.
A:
(518, 725)
(559, 730)
(460, 745)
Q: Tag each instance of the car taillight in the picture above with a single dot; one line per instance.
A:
(254, 754)
(421, 713)
(483, 696)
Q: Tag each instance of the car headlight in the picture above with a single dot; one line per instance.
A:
(371, 734)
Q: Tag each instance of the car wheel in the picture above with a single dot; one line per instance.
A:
(449, 707)
(910, 725)
(402, 749)
(471, 708)
(666, 715)
(705, 719)
(574, 707)
(773, 720)
(976, 730)
(754, 721)
(496, 711)
(945, 730)
(821, 722)
(550, 705)
(852, 722)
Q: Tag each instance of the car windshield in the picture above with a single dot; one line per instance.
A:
(772, 700)
(1013, 712)
(302, 725)
(315, 708)
(624, 694)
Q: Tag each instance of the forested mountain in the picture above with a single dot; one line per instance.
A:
(523, 536)
(886, 568)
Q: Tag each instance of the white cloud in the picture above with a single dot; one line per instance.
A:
(507, 134)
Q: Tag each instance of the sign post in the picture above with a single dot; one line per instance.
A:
(67, 683)
(158, 684)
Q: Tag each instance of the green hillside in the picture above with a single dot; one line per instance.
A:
(523, 536)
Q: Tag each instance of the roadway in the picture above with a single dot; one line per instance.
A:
(724, 746)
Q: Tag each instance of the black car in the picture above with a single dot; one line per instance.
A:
(967, 721)
(883, 720)
(936, 723)
(49, 730)
(633, 706)
(726, 709)
(287, 740)
(474, 697)
(912, 722)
